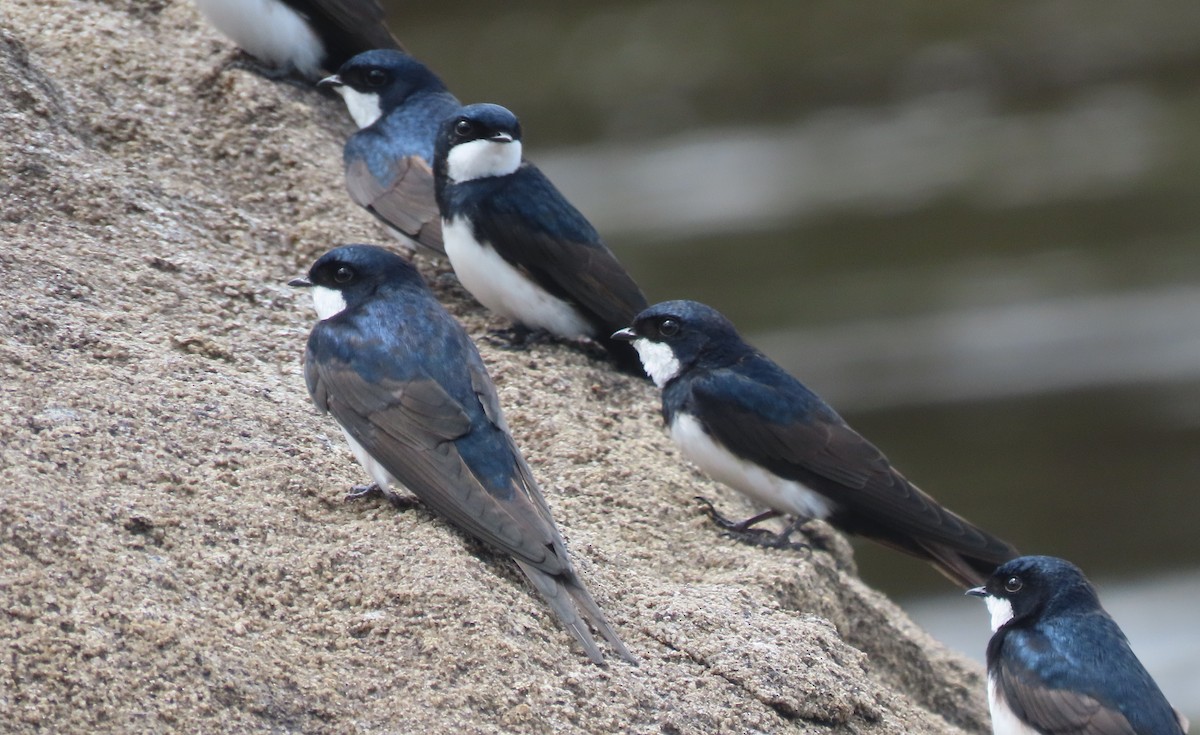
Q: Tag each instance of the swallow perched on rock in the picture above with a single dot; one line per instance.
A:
(749, 424)
(518, 245)
(1057, 663)
(305, 36)
(418, 409)
(398, 105)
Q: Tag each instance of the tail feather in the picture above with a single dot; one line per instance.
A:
(567, 599)
(592, 612)
(961, 568)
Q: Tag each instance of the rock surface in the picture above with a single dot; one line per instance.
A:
(175, 552)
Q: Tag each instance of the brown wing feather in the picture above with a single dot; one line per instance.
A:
(829, 455)
(410, 429)
(408, 204)
(1059, 711)
(363, 20)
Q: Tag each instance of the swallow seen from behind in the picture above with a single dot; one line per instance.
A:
(1057, 663)
(398, 105)
(749, 424)
(415, 402)
(518, 245)
(306, 36)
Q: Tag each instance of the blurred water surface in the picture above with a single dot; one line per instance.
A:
(972, 228)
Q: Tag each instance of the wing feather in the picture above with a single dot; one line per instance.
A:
(406, 204)
(1056, 711)
(809, 443)
(411, 428)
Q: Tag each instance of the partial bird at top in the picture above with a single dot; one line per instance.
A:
(398, 104)
(307, 37)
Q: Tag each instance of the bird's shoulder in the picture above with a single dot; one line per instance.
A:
(754, 384)
(1076, 673)
(527, 204)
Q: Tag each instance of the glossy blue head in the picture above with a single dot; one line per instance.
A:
(478, 141)
(374, 83)
(348, 276)
(672, 336)
(1030, 587)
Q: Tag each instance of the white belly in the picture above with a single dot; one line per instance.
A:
(381, 476)
(1004, 722)
(505, 290)
(268, 30)
(765, 488)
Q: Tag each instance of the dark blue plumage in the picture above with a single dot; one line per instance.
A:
(398, 104)
(412, 395)
(1058, 663)
(751, 425)
(517, 244)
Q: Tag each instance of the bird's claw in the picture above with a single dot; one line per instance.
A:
(362, 492)
(744, 531)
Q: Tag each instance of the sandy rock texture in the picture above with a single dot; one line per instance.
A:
(175, 551)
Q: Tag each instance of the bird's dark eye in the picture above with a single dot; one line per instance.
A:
(668, 327)
(343, 274)
(463, 128)
(375, 77)
(1013, 584)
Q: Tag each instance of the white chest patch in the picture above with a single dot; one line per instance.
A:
(658, 360)
(328, 302)
(505, 290)
(1004, 722)
(479, 159)
(765, 488)
(362, 106)
(269, 30)
(1001, 610)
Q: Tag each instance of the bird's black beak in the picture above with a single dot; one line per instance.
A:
(625, 335)
(331, 82)
(977, 592)
(501, 138)
(300, 282)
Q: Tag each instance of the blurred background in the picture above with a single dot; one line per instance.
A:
(972, 227)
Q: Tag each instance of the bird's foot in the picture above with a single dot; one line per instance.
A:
(362, 492)
(745, 532)
(239, 59)
(518, 337)
(373, 490)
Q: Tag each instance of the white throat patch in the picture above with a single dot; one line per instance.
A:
(1001, 610)
(328, 302)
(480, 159)
(659, 360)
(363, 106)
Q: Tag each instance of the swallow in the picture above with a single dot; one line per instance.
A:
(411, 394)
(518, 245)
(749, 424)
(1057, 663)
(398, 104)
(302, 36)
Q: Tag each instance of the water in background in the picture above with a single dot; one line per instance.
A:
(973, 229)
